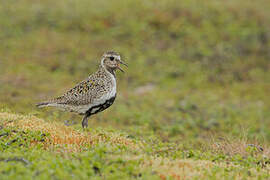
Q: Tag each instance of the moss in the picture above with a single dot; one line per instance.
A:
(197, 71)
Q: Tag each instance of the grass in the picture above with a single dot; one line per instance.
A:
(195, 94)
(33, 148)
(61, 135)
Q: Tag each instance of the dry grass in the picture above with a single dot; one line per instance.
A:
(181, 169)
(192, 169)
(241, 147)
(67, 139)
(61, 135)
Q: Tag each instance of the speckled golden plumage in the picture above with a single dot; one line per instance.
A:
(94, 94)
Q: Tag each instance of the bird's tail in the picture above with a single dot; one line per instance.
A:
(53, 102)
(43, 104)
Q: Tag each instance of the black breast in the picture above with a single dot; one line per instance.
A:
(101, 107)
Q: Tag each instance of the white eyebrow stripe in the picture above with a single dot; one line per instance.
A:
(118, 57)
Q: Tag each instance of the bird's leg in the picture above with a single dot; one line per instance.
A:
(85, 121)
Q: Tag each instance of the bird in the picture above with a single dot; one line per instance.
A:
(94, 94)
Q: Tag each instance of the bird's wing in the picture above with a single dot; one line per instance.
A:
(83, 93)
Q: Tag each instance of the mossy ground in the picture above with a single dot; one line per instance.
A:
(34, 148)
(193, 103)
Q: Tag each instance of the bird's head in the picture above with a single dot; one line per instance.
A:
(111, 61)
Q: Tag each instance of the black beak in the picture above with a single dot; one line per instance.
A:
(121, 62)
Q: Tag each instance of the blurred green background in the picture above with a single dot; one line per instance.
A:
(196, 68)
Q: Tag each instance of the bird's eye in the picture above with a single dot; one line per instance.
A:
(111, 58)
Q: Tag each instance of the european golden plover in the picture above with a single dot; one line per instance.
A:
(94, 94)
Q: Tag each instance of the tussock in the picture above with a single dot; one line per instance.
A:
(191, 169)
(63, 136)
(188, 168)
(241, 147)
(66, 139)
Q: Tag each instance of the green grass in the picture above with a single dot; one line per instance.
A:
(33, 148)
(197, 85)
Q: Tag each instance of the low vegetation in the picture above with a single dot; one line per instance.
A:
(193, 104)
(33, 148)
